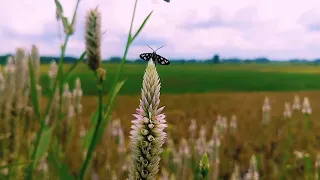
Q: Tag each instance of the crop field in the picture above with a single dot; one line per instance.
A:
(201, 78)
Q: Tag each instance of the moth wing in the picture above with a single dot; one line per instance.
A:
(146, 56)
(161, 60)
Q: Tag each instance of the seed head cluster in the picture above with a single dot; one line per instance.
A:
(93, 38)
(147, 135)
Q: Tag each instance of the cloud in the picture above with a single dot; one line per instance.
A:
(188, 29)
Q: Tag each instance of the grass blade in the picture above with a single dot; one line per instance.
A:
(67, 74)
(59, 8)
(34, 93)
(105, 119)
(94, 118)
(65, 23)
(141, 26)
(88, 137)
(44, 143)
(63, 170)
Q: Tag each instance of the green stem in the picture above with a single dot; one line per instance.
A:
(129, 41)
(72, 133)
(59, 126)
(93, 144)
(287, 149)
(59, 75)
(36, 147)
(124, 57)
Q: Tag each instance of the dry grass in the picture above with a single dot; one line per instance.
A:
(180, 109)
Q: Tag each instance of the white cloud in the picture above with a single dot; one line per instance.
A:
(187, 28)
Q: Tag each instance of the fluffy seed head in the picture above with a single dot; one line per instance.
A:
(287, 110)
(35, 59)
(296, 103)
(93, 38)
(306, 107)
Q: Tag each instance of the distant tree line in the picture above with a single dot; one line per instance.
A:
(214, 60)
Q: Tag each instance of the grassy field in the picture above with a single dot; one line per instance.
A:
(201, 78)
(191, 92)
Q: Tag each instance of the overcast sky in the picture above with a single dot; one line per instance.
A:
(277, 29)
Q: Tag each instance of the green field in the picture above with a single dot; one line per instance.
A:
(200, 78)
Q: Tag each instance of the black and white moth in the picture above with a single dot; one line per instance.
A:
(155, 57)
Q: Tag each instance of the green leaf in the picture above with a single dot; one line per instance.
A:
(141, 27)
(34, 93)
(44, 142)
(59, 8)
(65, 173)
(52, 158)
(67, 74)
(63, 170)
(88, 137)
(65, 23)
(106, 117)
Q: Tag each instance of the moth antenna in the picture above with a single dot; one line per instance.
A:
(159, 48)
(150, 47)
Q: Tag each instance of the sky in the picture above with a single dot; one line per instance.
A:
(189, 29)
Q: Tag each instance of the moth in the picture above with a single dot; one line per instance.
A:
(155, 57)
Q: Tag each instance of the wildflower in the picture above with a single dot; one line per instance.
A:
(224, 124)
(93, 39)
(67, 96)
(233, 124)
(298, 154)
(35, 59)
(296, 103)
(252, 173)
(306, 107)
(147, 135)
(53, 69)
(266, 111)
(116, 126)
(77, 95)
(287, 110)
(184, 149)
(20, 77)
(122, 145)
(204, 165)
(192, 130)
(201, 143)
(236, 173)
(219, 121)
(82, 132)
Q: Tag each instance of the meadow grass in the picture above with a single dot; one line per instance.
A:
(200, 78)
